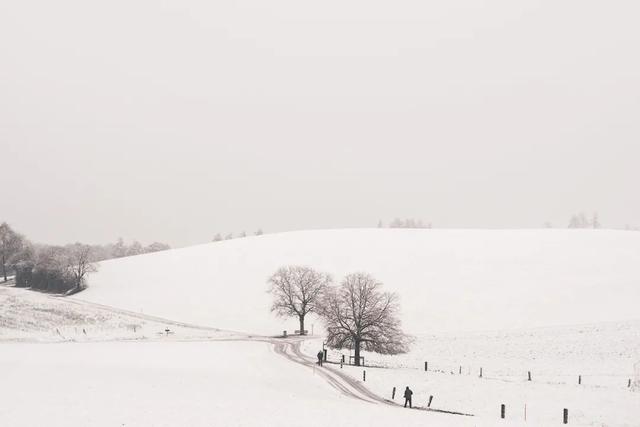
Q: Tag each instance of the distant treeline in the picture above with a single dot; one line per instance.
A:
(120, 249)
(218, 237)
(406, 223)
(58, 269)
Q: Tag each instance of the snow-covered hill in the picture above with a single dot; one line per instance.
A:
(29, 316)
(448, 280)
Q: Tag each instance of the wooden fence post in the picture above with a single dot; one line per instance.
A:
(579, 379)
(430, 400)
(480, 372)
(460, 371)
(565, 416)
(393, 394)
(364, 375)
(529, 374)
(503, 410)
(426, 366)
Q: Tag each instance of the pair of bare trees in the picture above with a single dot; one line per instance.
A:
(358, 315)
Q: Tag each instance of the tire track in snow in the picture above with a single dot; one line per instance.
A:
(342, 381)
(346, 386)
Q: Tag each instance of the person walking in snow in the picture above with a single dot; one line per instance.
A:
(407, 397)
(320, 356)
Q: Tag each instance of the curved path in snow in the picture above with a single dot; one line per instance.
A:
(338, 380)
(342, 382)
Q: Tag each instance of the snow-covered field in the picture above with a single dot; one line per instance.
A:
(109, 375)
(452, 285)
(29, 316)
(447, 280)
(601, 356)
(175, 384)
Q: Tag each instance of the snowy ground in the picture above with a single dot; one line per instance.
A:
(177, 384)
(603, 355)
(111, 363)
(37, 317)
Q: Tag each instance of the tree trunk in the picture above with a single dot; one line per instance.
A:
(4, 268)
(301, 325)
(357, 352)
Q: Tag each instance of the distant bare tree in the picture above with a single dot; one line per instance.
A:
(259, 232)
(10, 244)
(217, 237)
(408, 223)
(119, 249)
(580, 221)
(78, 264)
(359, 315)
(135, 249)
(156, 247)
(297, 291)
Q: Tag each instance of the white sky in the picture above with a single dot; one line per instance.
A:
(173, 120)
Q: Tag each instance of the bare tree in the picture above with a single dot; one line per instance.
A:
(408, 223)
(156, 247)
(359, 315)
(78, 264)
(135, 249)
(579, 221)
(297, 291)
(10, 244)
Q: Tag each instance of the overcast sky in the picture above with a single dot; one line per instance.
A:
(173, 120)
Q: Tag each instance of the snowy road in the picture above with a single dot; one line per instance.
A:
(339, 381)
